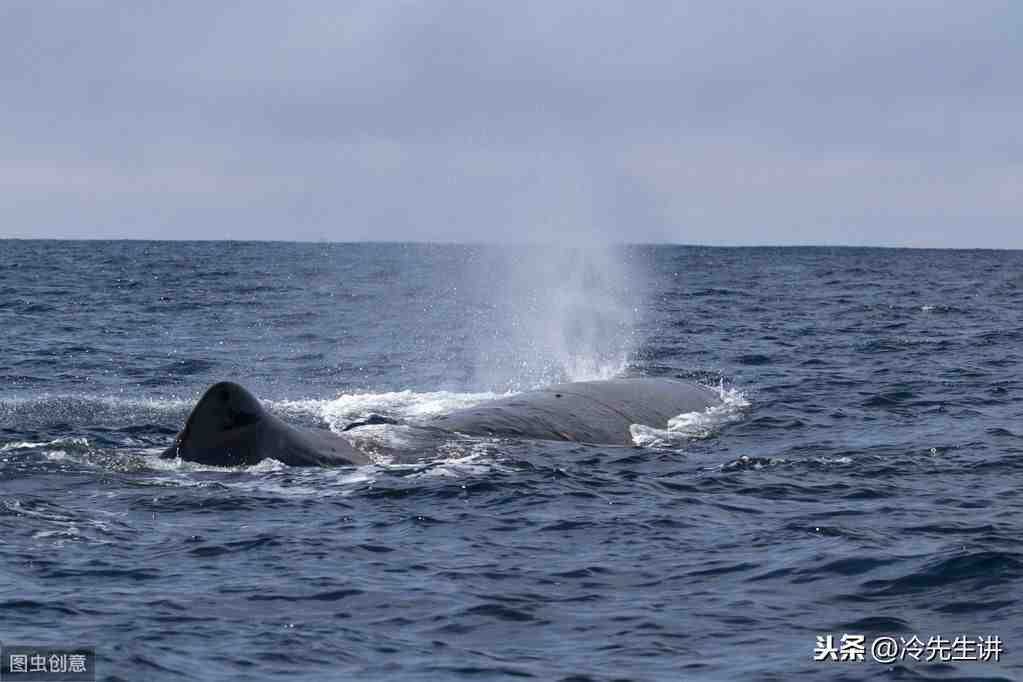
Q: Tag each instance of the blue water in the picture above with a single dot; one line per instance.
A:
(862, 477)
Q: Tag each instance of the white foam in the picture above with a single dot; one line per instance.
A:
(463, 458)
(62, 442)
(401, 405)
(835, 461)
(326, 482)
(177, 464)
(377, 439)
(270, 477)
(694, 425)
(22, 445)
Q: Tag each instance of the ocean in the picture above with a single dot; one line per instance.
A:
(859, 484)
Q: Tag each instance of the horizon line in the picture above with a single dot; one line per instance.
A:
(424, 242)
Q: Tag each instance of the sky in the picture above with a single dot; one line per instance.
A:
(719, 123)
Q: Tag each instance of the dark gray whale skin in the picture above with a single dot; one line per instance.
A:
(228, 426)
(598, 412)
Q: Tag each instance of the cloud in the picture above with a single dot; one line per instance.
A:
(864, 123)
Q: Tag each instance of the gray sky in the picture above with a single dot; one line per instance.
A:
(874, 123)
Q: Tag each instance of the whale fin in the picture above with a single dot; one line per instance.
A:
(228, 427)
(223, 408)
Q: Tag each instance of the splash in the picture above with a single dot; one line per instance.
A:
(78, 443)
(694, 425)
(555, 313)
(402, 405)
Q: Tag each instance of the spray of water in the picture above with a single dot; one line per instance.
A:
(555, 313)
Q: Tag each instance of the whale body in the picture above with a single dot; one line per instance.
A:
(229, 427)
(599, 412)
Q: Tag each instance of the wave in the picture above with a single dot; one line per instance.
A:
(695, 425)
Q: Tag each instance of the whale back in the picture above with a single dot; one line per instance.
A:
(225, 407)
(584, 411)
(229, 427)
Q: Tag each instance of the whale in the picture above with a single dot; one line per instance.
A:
(230, 427)
(598, 412)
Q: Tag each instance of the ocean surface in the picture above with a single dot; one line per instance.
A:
(862, 476)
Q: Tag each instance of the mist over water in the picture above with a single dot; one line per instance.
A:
(555, 313)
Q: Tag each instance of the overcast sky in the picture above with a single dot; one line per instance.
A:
(873, 123)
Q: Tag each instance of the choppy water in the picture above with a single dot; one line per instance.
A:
(863, 476)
